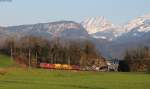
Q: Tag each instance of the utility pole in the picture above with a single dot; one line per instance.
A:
(29, 45)
(29, 57)
(69, 60)
(12, 45)
(51, 59)
(36, 58)
(11, 54)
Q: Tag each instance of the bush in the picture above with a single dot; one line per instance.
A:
(3, 71)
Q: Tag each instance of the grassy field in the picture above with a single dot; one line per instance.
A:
(46, 79)
(17, 78)
(5, 61)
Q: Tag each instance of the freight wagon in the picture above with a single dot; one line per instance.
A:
(59, 66)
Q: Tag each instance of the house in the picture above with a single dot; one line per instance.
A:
(113, 64)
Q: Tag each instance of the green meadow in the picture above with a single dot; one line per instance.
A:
(5, 61)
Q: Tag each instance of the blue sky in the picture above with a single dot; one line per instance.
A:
(34, 11)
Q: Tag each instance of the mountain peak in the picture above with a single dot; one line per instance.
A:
(96, 24)
(100, 28)
(95, 19)
(141, 24)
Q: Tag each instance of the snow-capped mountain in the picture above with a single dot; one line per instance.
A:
(137, 29)
(137, 34)
(67, 30)
(99, 27)
(140, 24)
(64, 29)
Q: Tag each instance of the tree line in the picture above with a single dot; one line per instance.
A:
(31, 51)
(136, 60)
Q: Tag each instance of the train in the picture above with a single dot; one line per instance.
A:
(59, 66)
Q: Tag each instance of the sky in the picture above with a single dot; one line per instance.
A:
(17, 12)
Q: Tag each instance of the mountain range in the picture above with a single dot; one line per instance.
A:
(111, 40)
